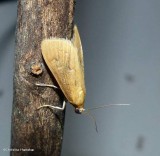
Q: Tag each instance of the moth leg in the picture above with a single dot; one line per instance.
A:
(46, 85)
(54, 107)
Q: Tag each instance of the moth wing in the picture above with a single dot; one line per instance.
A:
(77, 43)
(63, 60)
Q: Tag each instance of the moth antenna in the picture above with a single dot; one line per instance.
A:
(120, 104)
(87, 112)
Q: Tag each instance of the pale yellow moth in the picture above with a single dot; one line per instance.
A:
(65, 60)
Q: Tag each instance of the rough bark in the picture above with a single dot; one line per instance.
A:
(38, 130)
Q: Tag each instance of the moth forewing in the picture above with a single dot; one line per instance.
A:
(77, 43)
(65, 62)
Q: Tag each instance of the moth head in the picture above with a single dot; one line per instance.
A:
(79, 110)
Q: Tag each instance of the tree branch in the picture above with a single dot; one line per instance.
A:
(38, 130)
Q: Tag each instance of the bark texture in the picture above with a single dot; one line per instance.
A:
(38, 132)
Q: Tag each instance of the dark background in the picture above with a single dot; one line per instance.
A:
(121, 42)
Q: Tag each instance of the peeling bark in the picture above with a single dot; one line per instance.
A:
(38, 130)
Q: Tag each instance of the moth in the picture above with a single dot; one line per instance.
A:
(65, 60)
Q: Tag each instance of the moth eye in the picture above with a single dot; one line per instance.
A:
(77, 110)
